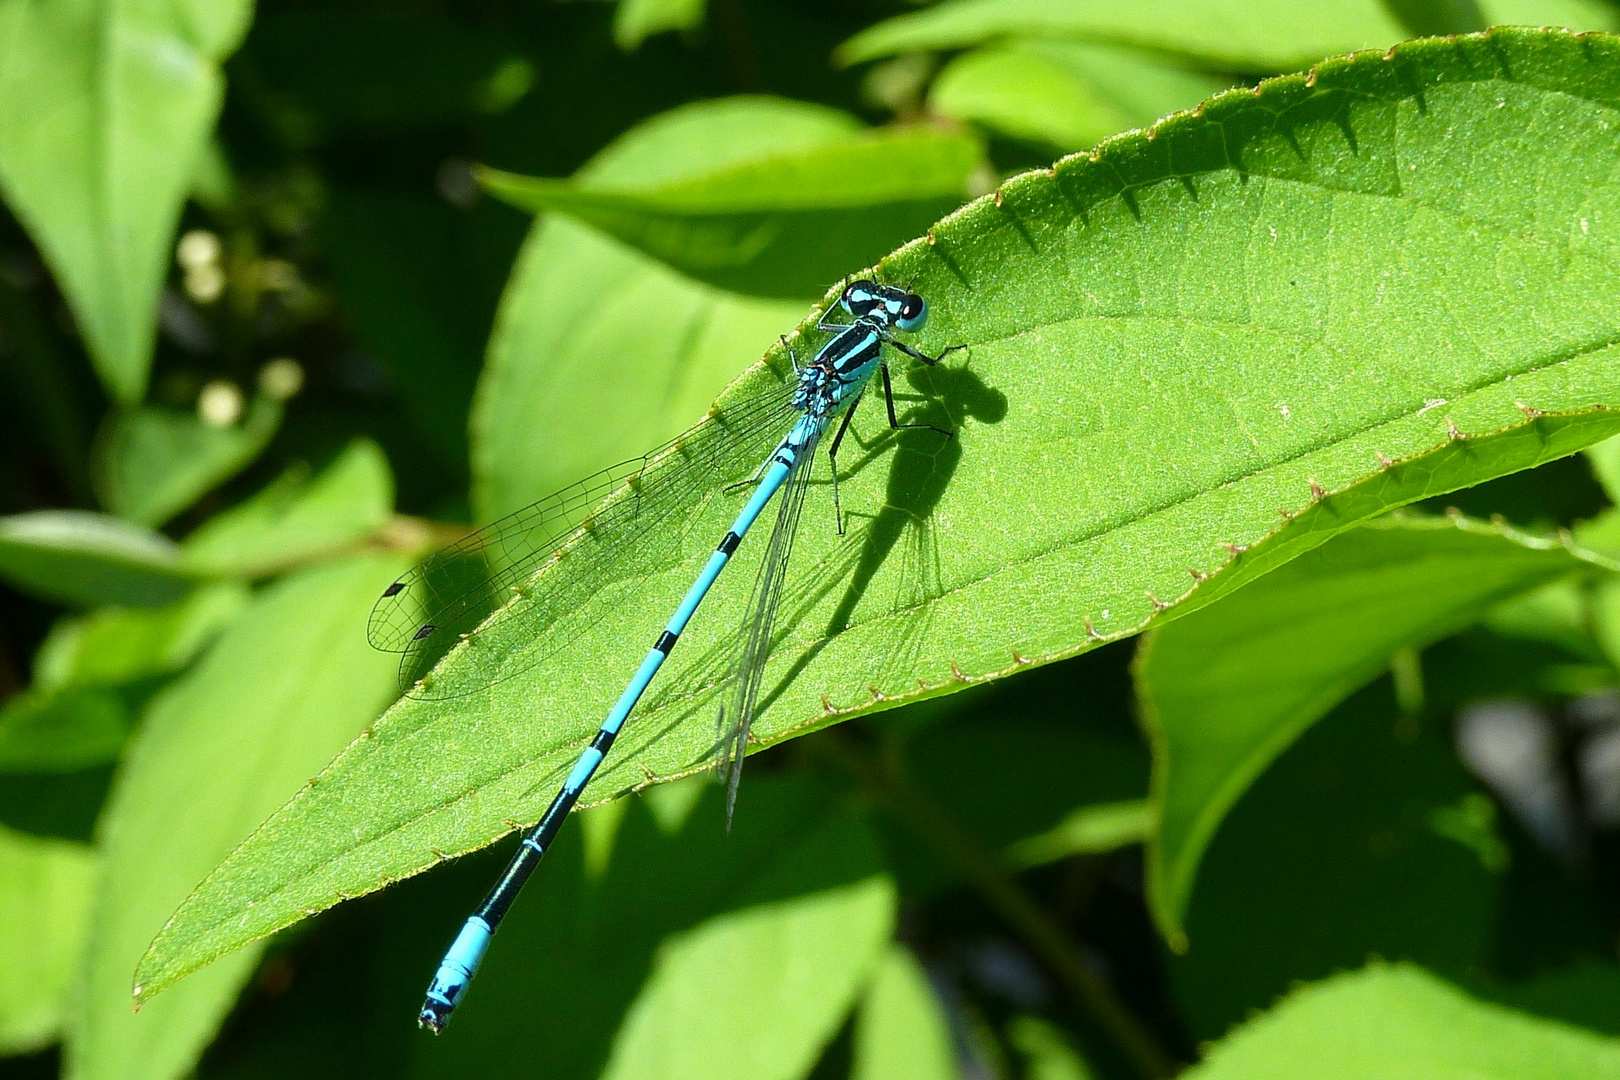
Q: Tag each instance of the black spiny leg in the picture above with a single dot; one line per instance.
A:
(832, 457)
(917, 354)
(888, 399)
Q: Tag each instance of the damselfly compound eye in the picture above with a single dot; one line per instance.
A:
(913, 313)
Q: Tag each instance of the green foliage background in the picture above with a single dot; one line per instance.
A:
(1237, 691)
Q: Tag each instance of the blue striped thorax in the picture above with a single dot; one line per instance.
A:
(843, 365)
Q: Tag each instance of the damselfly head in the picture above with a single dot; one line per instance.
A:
(888, 304)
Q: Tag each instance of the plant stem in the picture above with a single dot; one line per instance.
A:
(996, 882)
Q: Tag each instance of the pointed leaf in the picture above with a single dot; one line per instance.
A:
(287, 685)
(45, 892)
(156, 462)
(1227, 689)
(122, 645)
(45, 731)
(781, 226)
(1402, 1023)
(901, 1032)
(296, 518)
(600, 351)
(1152, 376)
(75, 557)
(1065, 93)
(108, 107)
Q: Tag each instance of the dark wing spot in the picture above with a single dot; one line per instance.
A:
(427, 629)
(394, 590)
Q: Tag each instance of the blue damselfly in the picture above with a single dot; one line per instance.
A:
(442, 600)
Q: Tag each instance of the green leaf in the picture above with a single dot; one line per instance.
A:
(1238, 35)
(1228, 34)
(1224, 691)
(1400, 1022)
(123, 645)
(1088, 830)
(108, 108)
(291, 682)
(297, 519)
(709, 952)
(901, 1033)
(1048, 1053)
(45, 892)
(779, 226)
(1605, 459)
(599, 351)
(634, 21)
(799, 962)
(75, 557)
(1067, 94)
(1151, 376)
(62, 731)
(156, 462)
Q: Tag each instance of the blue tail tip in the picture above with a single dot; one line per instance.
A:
(434, 1015)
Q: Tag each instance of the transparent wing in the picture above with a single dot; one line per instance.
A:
(640, 502)
(749, 672)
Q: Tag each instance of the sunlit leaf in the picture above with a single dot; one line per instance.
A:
(901, 1032)
(637, 20)
(46, 731)
(1065, 93)
(1257, 328)
(1383, 1023)
(290, 683)
(108, 108)
(297, 518)
(122, 645)
(75, 557)
(45, 892)
(1238, 34)
(601, 352)
(156, 462)
(782, 225)
(1228, 688)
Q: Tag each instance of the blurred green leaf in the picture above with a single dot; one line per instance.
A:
(156, 462)
(601, 352)
(1332, 856)
(1064, 93)
(1605, 459)
(1152, 376)
(45, 893)
(1236, 34)
(1226, 690)
(1089, 830)
(1047, 1053)
(694, 951)
(108, 108)
(781, 226)
(1557, 613)
(48, 731)
(800, 962)
(634, 21)
(75, 557)
(296, 518)
(1399, 1021)
(288, 684)
(901, 1033)
(123, 645)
